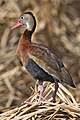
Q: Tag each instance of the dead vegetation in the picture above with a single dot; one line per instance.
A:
(65, 107)
(58, 26)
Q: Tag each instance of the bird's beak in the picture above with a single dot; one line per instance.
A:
(16, 25)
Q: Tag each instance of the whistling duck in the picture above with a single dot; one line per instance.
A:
(38, 59)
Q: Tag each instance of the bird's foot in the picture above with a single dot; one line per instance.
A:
(41, 99)
(52, 100)
(29, 103)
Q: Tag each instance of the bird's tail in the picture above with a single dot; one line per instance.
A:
(68, 78)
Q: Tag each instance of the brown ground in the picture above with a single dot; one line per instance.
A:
(58, 26)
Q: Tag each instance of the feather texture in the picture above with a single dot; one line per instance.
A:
(50, 63)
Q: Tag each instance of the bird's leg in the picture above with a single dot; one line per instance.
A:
(41, 91)
(55, 91)
(36, 85)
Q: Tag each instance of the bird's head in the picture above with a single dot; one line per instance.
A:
(26, 20)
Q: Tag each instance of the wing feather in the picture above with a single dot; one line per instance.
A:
(47, 60)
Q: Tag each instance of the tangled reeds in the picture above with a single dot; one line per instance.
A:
(59, 29)
(64, 108)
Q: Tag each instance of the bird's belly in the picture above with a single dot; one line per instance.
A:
(37, 72)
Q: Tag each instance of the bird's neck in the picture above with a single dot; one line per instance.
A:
(23, 45)
(25, 39)
(27, 35)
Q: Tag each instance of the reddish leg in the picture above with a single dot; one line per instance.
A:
(41, 89)
(54, 92)
(41, 92)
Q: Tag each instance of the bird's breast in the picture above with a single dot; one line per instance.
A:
(22, 54)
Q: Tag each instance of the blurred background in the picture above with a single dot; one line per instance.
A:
(58, 27)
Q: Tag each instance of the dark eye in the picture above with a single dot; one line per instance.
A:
(22, 17)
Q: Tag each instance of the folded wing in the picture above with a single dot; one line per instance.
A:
(48, 61)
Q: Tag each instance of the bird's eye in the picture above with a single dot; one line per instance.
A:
(22, 17)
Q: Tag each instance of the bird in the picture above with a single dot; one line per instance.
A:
(42, 63)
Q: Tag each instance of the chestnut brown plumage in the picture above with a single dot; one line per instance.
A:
(38, 59)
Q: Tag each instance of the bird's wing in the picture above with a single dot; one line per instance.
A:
(50, 63)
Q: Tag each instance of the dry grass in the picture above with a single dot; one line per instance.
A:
(58, 27)
(65, 107)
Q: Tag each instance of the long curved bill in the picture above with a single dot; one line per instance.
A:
(18, 24)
